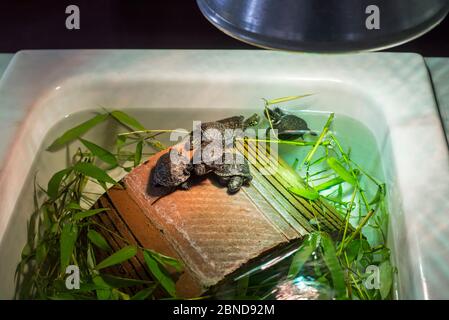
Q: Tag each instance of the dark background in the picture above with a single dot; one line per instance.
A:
(138, 24)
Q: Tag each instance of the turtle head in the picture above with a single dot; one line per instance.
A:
(274, 115)
(234, 184)
(251, 121)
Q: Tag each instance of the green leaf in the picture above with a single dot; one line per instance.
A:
(380, 194)
(118, 257)
(98, 240)
(76, 132)
(341, 171)
(41, 252)
(122, 295)
(88, 213)
(55, 182)
(62, 296)
(386, 278)
(309, 193)
(356, 249)
(74, 206)
(120, 141)
(295, 164)
(329, 184)
(138, 154)
(67, 242)
(352, 250)
(156, 144)
(286, 99)
(333, 264)
(90, 170)
(303, 254)
(26, 251)
(102, 294)
(167, 261)
(119, 282)
(144, 294)
(242, 287)
(86, 287)
(160, 274)
(127, 120)
(101, 153)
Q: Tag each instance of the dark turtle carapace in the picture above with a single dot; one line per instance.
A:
(232, 170)
(288, 126)
(172, 172)
(224, 130)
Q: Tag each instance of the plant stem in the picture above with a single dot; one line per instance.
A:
(151, 131)
(295, 143)
(320, 138)
(348, 216)
(361, 225)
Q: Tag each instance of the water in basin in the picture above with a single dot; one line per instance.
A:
(352, 134)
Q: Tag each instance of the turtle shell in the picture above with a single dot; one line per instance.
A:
(233, 164)
(291, 127)
(236, 122)
(168, 173)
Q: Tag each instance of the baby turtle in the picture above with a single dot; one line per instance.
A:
(171, 171)
(289, 126)
(219, 130)
(233, 171)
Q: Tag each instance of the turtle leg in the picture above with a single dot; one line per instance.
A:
(223, 180)
(234, 184)
(312, 133)
(185, 185)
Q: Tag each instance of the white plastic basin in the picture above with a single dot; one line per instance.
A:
(390, 94)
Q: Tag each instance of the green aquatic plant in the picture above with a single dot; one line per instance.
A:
(339, 262)
(62, 231)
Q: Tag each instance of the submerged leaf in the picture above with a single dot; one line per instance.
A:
(26, 251)
(67, 242)
(118, 257)
(303, 254)
(121, 140)
(138, 154)
(90, 170)
(329, 184)
(159, 273)
(167, 261)
(333, 264)
(101, 153)
(74, 206)
(386, 278)
(380, 194)
(41, 252)
(98, 240)
(88, 213)
(127, 120)
(76, 132)
(356, 249)
(55, 182)
(341, 171)
(119, 282)
(309, 193)
(102, 294)
(144, 294)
